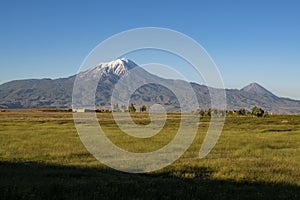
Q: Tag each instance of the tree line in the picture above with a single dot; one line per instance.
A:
(130, 108)
(256, 111)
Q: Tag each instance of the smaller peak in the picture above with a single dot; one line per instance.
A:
(256, 88)
(252, 86)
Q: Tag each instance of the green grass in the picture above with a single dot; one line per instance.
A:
(42, 157)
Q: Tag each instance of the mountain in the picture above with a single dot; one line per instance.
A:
(122, 76)
(256, 89)
(256, 95)
(57, 93)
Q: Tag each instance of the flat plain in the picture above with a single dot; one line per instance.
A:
(42, 157)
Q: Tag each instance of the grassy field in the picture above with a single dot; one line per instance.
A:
(42, 157)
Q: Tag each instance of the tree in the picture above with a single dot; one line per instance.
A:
(131, 108)
(241, 111)
(202, 113)
(143, 108)
(229, 112)
(209, 112)
(258, 112)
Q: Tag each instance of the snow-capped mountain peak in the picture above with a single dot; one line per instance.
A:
(118, 67)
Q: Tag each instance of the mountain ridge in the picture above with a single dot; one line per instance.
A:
(57, 93)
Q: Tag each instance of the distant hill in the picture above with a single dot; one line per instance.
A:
(57, 93)
(256, 95)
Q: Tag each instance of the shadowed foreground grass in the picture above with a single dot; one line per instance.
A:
(42, 157)
(34, 180)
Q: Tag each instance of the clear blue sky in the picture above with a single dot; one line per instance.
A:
(250, 41)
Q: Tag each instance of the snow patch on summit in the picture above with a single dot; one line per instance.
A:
(117, 67)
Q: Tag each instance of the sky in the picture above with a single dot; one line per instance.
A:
(249, 40)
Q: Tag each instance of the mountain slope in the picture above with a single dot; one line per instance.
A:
(57, 93)
(37, 93)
